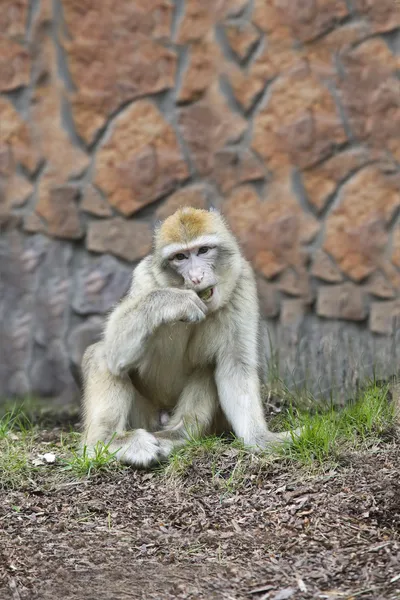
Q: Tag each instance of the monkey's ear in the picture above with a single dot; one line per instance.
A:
(157, 225)
(214, 210)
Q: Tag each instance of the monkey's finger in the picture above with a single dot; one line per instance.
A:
(200, 304)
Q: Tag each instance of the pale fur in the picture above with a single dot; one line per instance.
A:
(162, 351)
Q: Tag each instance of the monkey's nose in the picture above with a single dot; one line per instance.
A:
(196, 278)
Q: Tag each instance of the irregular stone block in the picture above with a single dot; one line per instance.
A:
(15, 136)
(94, 203)
(383, 317)
(299, 125)
(346, 301)
(14, 65)
(242, 38)
(207, 126)
(13, 18)
(82, 337)
(58, 205)
(52, 299)
(141, 161)
(324, 268)
(205, 60)
(234, 167)
(384, 15)
(51, 376)
(130, 240)
(296, 284)
(193, 195)
(100, 284)
(268, 298)
(322, 181)
(379, 286)
(18, 190)
(355, 231)
(292, 312)
(370, 91)
(201, 15)
(273, 231)
(116, 55)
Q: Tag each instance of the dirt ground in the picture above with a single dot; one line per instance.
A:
(281, 533)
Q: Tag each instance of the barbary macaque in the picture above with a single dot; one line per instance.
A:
(179, 355)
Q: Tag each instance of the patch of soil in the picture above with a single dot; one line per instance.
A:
(283, 534)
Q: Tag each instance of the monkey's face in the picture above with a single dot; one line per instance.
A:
(196, 266)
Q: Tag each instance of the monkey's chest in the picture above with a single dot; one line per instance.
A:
(168, 361)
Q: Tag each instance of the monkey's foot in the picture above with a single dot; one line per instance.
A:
(140, 449)
(271, 440)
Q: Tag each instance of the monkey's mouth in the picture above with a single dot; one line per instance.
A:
(206, 294)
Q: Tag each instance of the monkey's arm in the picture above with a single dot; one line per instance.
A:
(139, 315)
(236, 373)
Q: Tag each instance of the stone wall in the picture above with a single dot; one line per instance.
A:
(285, 114)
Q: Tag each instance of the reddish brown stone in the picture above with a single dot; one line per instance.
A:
(15, 136)
(130, 240)
(14, 65)
(324, 268)
(295, 284)
(396, 246)
(370, 94)
(322, 54)
(278, 57)
(233, 167)
(6, 160)
(379, 286)
(322, 181)
(91, 20)
(268, 298)
(13, 18)
(204, 63)
(207, 127)
(310, 19)
(194, 195)
(94, 203)
(355, 233)
(58, 206)
(141, 161)
(345, 301)
(384, 15)
(300, 124)
(201, 15)
(268, 16)
(18, 190)
(242, 38)
(115, 55)
(271, 232)
(53, 142)
(304, 20)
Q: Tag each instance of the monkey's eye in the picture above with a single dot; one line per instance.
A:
(203, 250)
(179, 256)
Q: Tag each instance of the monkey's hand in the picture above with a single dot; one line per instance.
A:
(183, 305)
(132, 322)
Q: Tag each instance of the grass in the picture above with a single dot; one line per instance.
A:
(21, 446)
(83, 463)
(326, 435)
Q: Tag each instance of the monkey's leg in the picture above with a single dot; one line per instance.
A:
(194, 414)
(109, 403)
(239, 395)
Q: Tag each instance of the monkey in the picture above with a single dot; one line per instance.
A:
(179, 354)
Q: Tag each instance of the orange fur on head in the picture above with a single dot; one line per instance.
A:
(185, 225)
